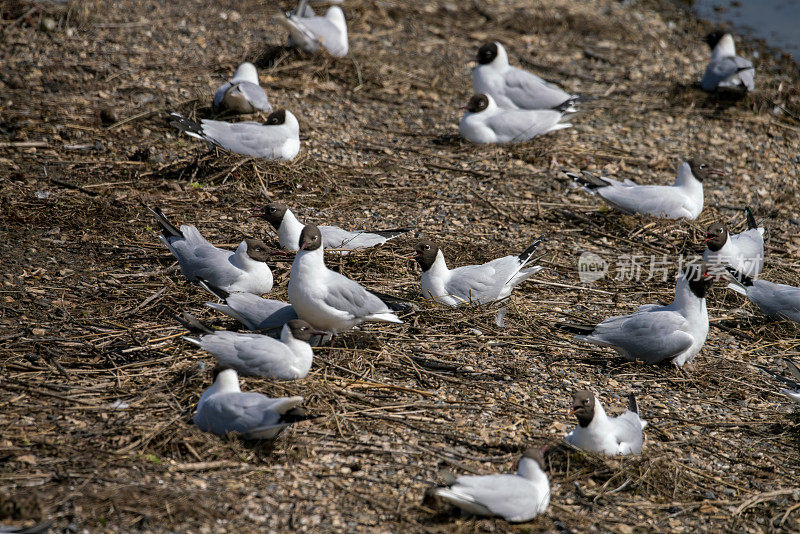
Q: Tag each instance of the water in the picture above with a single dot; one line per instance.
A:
(777, 22)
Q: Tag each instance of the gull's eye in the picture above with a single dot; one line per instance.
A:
(586, 401)
(703, 165)
(427, 247)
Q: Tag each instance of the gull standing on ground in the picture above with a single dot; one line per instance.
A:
(726, 70)
(655, 333)
(277, 138)
(514, 497)
(744, 252)
(776, 300)
(288, 358)
(681, 200)
(224, 408)
(308, 33)
(471, 283)
(289, 227)
(252, 311)
(484, 122)
(515, 88)
(325, 298)
(245, 270)
(598, 432)
(243, 94)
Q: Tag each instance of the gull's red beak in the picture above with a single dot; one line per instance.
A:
(709, 237)
(463, 107)
(716, 172)
(279, 252)
(574, 409)
(303, 246)
(318, 332)
(256, 214)
(416, 255)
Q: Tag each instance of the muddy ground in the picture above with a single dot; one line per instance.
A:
(88, 293)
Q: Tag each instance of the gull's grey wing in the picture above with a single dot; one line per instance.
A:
(256, 95)
(220, 94)
(256, 313)
(248, 138)
(236, 412)
(729, 71)
(521, 125)
(508, 496)
(777, 300)
(350, 297)
(477, 283)
(249, 354)
(655, 200)
(528, 91)
(628, 430)
(324, 32)
(651, 336)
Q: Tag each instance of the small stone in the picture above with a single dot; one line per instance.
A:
(108, 116)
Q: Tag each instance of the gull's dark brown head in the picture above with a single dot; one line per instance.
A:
(477, 103)
(425, 253)
(487, 53)
(699, 278)
(217, 370)
(702, 168)
(713, 38)
(716, 236)
(257, 249)
(310, 238)
(272, 213)
(276, 118)
(536, 454)
(303, 331)
(583, 407)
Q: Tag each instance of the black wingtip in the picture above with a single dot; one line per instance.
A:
(742, 278)
(394, 232)
(214, 290)
(580, 329)
(297, 414)
(191, 323)
(632, 406)
(751, 220)
(167, 228)
(528, 252)
(588, 180)
(187, 125)
(566, 104)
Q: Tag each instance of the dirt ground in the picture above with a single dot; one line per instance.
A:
(89, 293)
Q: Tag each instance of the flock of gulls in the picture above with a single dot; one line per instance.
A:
(509, 105)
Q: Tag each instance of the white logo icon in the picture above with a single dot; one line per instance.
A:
(591, 267)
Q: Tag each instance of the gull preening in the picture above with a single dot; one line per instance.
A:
(515, 88)
(480, 284)
(309, 32)
(245, 270)
(726, 70)
(484, 122)
(655, 333)
(287, 358)
(223, 408)
(326, 299)
(514, 497)
(254, 312)
(277, 138)
(681, 200)
(598, 432)
(288, 228)
(775, 300)
(744, 251)
(243, 94)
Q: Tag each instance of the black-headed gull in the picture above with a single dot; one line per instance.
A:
(277, 138)
(681, 200)
(744, 252)
(245, 270)
(776, 300)
(515, 88)
(598, 432)
(223, 408)
(480, 284)
(308, 33)
(243, 94)
(326, 299)
(514, 497)
(287, 358)
(655, 333)
(289, 227)
(252, 311)
(485, 122)
(726, 70)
